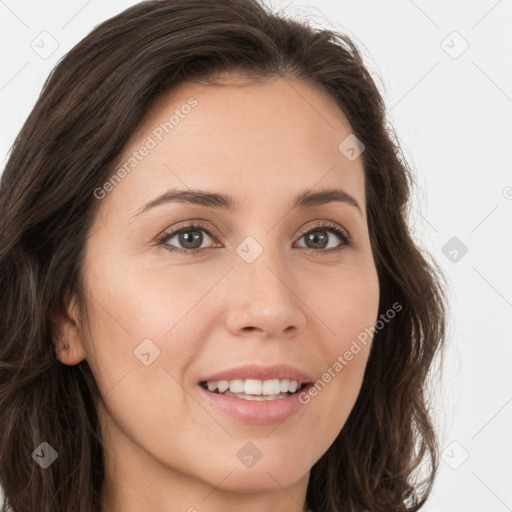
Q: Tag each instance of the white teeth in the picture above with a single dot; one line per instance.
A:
(254, 386)
(236, 386)
(222, 385)
(251, 387)
(284, 384)
(272, 387)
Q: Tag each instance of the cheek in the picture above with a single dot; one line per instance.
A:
(135, 301)
(141, 346)
(348, 307)
(134, 316)
(349, 310)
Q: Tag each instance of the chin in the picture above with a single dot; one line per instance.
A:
(263, 480)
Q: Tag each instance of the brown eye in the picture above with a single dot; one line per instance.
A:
(318, 239)
(190, 239)
(326, 238)
(186, 239)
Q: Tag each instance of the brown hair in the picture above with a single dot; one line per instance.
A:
(92, 102)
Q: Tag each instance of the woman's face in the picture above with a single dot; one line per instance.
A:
(266, 288)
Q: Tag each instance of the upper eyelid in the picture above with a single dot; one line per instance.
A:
(187, 225)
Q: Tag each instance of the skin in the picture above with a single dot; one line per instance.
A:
(166, 447)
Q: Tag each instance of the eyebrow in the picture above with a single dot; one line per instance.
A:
(306, 199)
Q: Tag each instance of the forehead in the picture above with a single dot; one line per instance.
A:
(279, 135)
(286, 110)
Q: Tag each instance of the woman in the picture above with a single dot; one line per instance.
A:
(211, 298)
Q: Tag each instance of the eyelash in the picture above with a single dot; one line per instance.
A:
(342, 235)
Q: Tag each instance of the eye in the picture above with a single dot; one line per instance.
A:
(319, 239)
(190, 237)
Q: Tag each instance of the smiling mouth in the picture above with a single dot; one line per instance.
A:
(276, 391)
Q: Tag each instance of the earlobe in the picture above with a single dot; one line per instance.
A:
(70, 353)
(69, 345)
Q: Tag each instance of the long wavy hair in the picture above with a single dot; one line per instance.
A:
(386, 456)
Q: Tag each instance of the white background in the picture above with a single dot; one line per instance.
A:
(452, 111)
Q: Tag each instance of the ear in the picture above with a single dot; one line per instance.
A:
(68, 339)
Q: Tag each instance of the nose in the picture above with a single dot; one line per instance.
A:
(265, 299)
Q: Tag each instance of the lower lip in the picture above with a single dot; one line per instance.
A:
(264, 412)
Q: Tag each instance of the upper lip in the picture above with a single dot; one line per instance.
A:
(260, 372)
